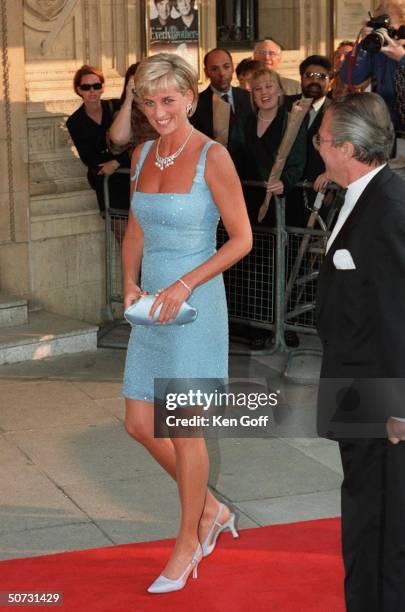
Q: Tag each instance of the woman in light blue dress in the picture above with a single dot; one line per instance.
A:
(181, 184)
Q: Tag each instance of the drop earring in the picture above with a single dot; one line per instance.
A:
(188, 108)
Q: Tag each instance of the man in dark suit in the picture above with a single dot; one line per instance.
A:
(315, 72)
(218, 67)
(361, 323)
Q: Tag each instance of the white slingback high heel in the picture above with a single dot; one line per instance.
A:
(166, 585)
(208, 546)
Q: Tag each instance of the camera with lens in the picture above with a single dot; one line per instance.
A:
(381, 26)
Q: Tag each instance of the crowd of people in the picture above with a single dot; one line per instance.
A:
(188, 155)
(250, 120)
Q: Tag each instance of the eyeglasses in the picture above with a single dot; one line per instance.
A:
(317, 140)
(316, 75)
(269, 53)
(88, 86)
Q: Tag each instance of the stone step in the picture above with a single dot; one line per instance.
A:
(13, 310)
(45, 335)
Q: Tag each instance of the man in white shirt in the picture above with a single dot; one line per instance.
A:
(361, 323)
(270, 53)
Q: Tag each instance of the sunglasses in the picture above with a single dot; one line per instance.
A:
(88, 86)
(315, 75)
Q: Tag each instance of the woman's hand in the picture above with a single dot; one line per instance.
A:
(130, 91)
(132, 293)
(108, 168)
(171, 299)
(276, 187)
(321, 182)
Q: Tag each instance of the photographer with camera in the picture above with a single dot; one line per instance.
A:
(381, 55)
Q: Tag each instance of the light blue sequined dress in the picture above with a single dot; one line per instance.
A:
(179, 234)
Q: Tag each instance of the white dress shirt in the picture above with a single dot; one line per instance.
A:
(316, 106)
(354, 191)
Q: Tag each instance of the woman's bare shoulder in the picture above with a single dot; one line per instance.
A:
(137, 153)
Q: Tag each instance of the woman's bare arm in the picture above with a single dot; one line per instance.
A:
(120, 129)
(132, 247)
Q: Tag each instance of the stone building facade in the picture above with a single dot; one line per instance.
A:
(51, 235)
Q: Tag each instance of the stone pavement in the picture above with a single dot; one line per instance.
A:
(71, 478)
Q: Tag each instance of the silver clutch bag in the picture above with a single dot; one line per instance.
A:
(138, 313)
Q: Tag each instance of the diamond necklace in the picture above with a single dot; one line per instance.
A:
(165, 162)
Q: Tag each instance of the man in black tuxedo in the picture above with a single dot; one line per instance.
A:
(218, 67)
(315, 72)
(361, 323)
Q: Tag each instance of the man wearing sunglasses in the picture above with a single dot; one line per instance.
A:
(315, 71)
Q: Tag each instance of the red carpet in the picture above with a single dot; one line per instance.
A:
(283, 568)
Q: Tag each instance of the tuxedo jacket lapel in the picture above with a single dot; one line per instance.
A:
(316, 124)
(366, 200)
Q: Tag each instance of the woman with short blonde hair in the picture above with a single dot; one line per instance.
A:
(162, 68)
(256, 139)
(254, 145)
(181, 184)
(267, 74)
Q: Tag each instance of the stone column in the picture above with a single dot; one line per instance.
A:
(14, 199)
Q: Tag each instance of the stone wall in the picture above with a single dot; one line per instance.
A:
(14, 198)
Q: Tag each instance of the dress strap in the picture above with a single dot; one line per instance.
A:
(145, 150)
(199, 174)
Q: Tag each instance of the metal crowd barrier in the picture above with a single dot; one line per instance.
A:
(273, 287)
(115, 225)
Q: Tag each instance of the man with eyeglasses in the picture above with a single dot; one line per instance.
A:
(269, 53)
(360, 308)
(315, 71)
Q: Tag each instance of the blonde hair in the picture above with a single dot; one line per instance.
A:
(157, 71)
(392, 6)
(270, 74)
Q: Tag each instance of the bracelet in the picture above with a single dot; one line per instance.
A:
(190, 291)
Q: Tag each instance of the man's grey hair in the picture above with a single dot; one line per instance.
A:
(364, 120)
(268, 38)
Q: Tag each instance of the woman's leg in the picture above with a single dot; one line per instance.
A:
(140, 425)
(192, 478)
